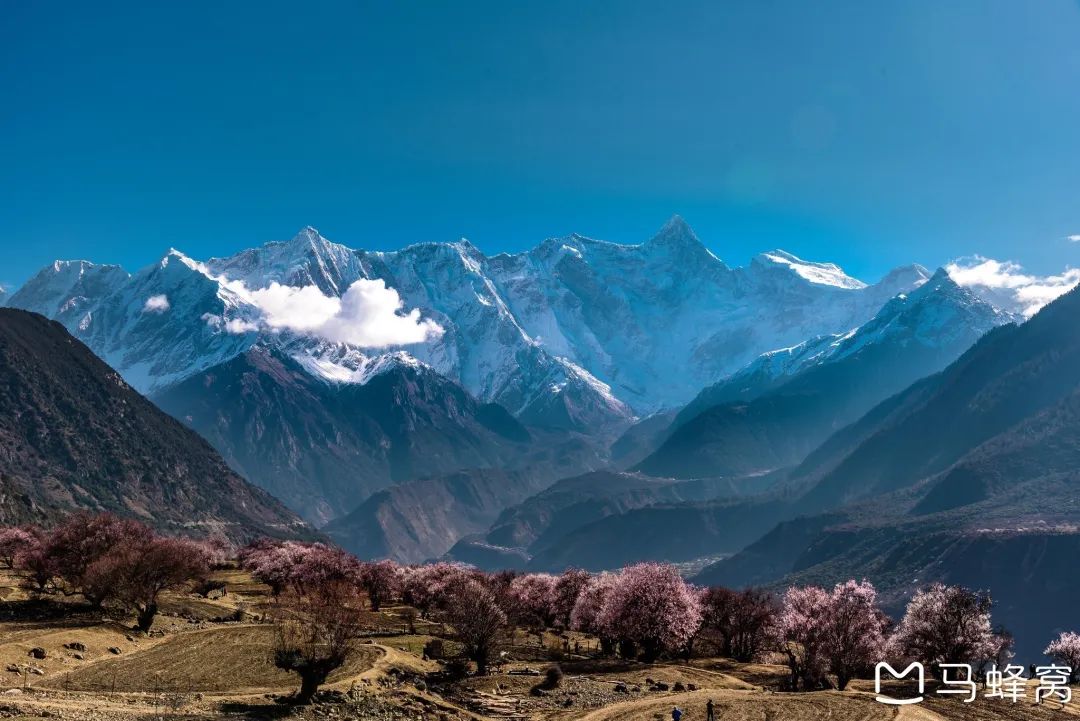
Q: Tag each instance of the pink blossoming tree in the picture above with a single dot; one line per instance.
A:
(531, 600)
(855, 631)
(381, 580)
(568, 587)
(801, 635)
(15, 542)
(651, 608)
(477, 619)
(1066, 650)
(947, 624)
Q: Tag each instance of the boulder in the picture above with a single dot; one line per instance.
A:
(38, 652)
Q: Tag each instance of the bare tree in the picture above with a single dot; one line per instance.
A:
(316, 632)
(477, 620)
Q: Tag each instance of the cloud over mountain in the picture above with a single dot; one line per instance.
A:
(1009, 285)
(156, 304)
(368, 314)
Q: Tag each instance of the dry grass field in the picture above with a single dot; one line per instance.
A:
(212, 659)
(208, 660)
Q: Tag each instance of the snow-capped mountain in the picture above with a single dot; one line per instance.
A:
(939, 313)
(660, 320)
(777, 409)
(575, 333)
(153, 346)
(574, 338)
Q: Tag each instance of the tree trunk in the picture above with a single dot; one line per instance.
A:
(309, 685)
(793, 667)
(481, 666)
(146, 617)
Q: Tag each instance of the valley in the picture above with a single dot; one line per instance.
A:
(923, 444)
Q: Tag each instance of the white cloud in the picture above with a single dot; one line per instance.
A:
(1007, 283)
(1075, 237)
(238, 326)
(156, 304)
(368, 314)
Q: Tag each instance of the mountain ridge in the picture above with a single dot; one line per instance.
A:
(75, 436)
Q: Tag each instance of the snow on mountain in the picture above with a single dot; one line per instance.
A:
(935, 314)
(660, 320)
(818, 273)
(938, 314)
(753, 423)
(151, 326)
(576, 331)
(67, 289)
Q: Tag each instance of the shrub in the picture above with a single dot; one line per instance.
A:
(553, 677)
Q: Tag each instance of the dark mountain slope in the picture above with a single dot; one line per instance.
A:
(661, 532)
(73, 435)
(1012, 374)
(322, 447)
(419, 520)
(910, 338)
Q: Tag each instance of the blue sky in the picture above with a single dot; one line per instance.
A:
(870, 134)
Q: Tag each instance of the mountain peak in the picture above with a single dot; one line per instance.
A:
(308, 236)
(810, 271)
(941, 277)
(911, 274)
(184, 260)
(676, 232)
